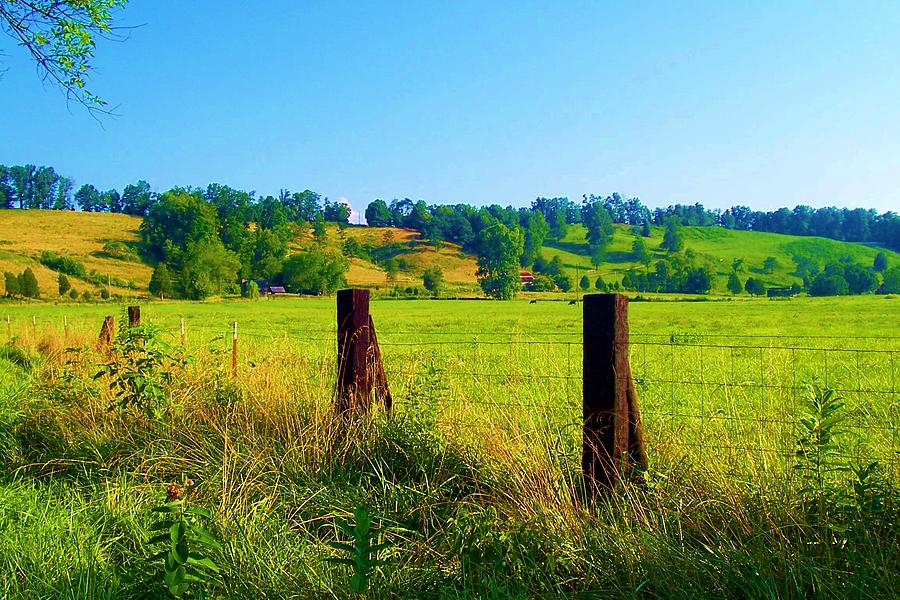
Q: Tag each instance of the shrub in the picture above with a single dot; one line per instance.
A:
(73, 294)
(63, 264)
(64, 285)
(104, 293)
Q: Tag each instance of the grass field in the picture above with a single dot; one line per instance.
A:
(475, 479)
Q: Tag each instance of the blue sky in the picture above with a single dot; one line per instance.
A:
(723, 103)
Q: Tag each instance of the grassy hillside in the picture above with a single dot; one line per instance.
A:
(24, 234)
(715, 246)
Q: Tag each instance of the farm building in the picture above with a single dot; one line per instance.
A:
(526, 277)
(780, 292)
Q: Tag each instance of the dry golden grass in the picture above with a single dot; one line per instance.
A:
(24, 234)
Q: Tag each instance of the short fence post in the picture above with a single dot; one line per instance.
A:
(66, 327)
(8, 328)
(34, 324)
(182, 331)
(234, 352)
(107, 334)
(612, 434)
(134, 316)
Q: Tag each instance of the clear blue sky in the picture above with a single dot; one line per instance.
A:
(485, 102)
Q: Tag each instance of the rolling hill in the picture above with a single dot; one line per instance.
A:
(24, 234)
(714, 246)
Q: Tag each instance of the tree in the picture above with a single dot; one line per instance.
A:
(585, 283)
(378, 214)
(177, 221)
(104, 293)
(673, 240)
(600, 285)
(891, 284)
(73, 294)
(63, 197)
(64, 285)
(859, 280)
(137, 199)
(315, 272)
(598, 223)
(563, 282)
(645, 229)
(755, 287)
(639, 251)
(61, 37)
(542, 283)
(161, 281)
(598, 253)
(734, 284)
(536, 231)
(88, 198)
(826, 284)
(28, 284)
(252, 290)
(207, 269)
(770, 264)
(433, 280)
(880, 262)
(499, 249)
(11, 283)
(737, 265)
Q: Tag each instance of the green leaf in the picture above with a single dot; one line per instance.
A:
(199, 511)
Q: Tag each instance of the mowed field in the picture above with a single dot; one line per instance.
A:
(475, 478)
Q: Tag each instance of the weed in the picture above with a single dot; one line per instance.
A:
(361, 553)
(184, 533)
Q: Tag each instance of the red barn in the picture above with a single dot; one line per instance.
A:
(527, 277)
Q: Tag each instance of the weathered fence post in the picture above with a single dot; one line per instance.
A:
(134, 316)
(360, 368)
(612, 434)
(107, 334)
(66, 327)
(354, 384)
(182, 331)
(34, 324)
(234, 352)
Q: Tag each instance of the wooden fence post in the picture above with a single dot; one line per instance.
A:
(34, 324)
(134, 316)
(66, 327)
(234, 352)
(354, 384)
(182, 331)
(612, 434)
(107, 334)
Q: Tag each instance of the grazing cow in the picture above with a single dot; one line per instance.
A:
(571, 302)
(533, 302)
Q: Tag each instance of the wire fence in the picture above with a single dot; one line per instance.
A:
(708, 396)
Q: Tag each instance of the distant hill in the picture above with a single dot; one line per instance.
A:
(24, 234)
(715, 246)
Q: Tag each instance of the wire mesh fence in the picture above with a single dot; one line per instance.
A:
(707, 396)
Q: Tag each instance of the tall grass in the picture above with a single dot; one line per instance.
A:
(474, 481)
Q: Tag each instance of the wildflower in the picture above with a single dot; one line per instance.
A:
(174, 491)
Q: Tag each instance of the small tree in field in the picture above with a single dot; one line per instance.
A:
(104, 293)
(12, 284)
(734, 284)
(161, 281)
(433, 280)
(28, 284)
(585, 283)
(64, 285)
(73, 294)
(880, 262)
(252, 290)
(770, 264)
(755, 287)
(600, 285)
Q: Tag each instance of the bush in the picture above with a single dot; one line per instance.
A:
(86, 296)
(433, 280)
(104, 293)
(64, 285)
(63, 264)
(829, 285)
(73, 294)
